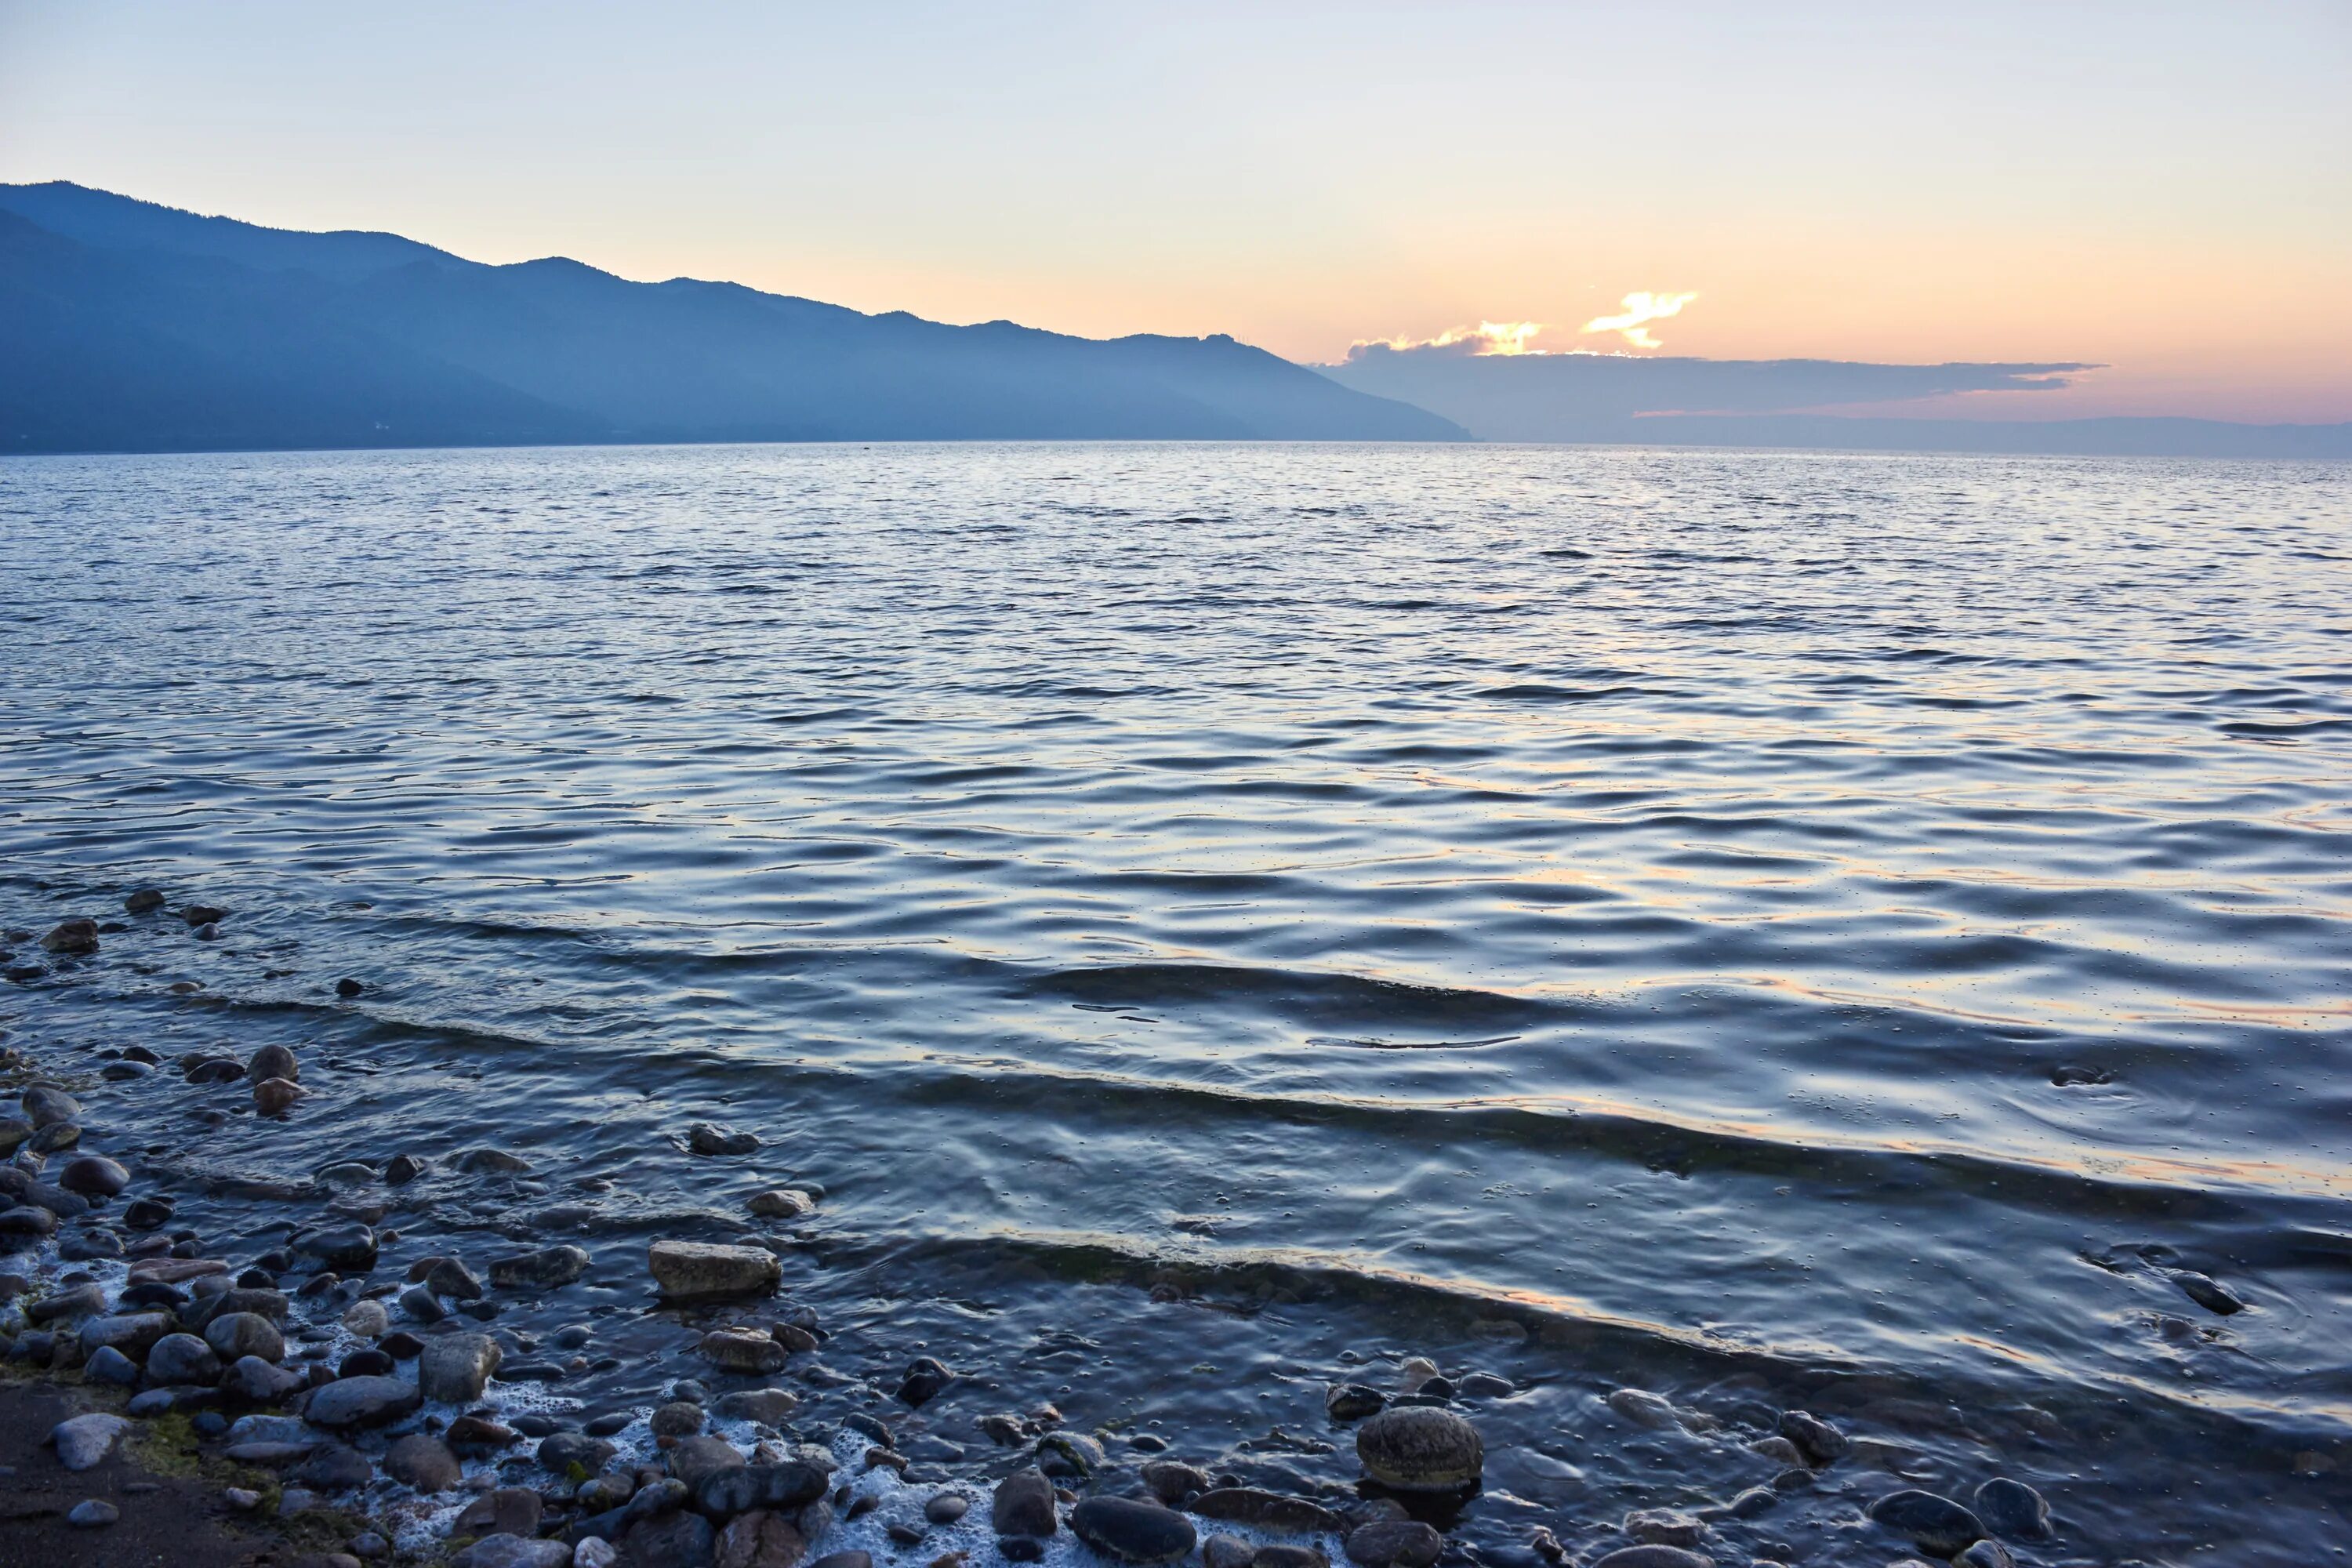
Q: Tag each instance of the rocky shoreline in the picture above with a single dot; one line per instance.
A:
(347, 1397)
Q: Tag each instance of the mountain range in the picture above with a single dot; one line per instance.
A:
(126, 326)
(129, 326)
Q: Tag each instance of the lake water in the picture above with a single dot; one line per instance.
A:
(1772, 930)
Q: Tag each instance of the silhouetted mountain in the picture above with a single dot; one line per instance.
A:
(128, 326)
(1675, 400)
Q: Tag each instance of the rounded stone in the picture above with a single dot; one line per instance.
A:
(183, 1359)
(702, 1272)
(1401, 1542)
(235, 1335)
(1937, 1525)
(2012, 1509)
(273, 1061)
(91, 1513)
(1023, 1504)
(1421, 1448)
(93, 1176)
(1654, 1557)
(423, 1462)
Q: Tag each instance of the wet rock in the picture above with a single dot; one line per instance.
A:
(49, 1106)
(560, 1451)
(1779, 1450)
(56, 1136)
(710, 1138)
(455, 1368)
(844, 1560)
(107, 1365)
(476, 1437)
(275, 1096)
(272, 1062)
(401, 1345)
(143, 901)
(688, 1272)
(492, 1163)
(2209, 1293)
(768, 1407)
(88, 1246)
(235, 1335)
(924, 1382)
(93, 1513)
(1420, 1448)
(72, 938)
(85, 1440)
(1985, 1554)
(13, 1131)
(1352, 1401)
(1643, 1408)
(25, 1224)
(738, 1489)
(448, 1277)
(793, 1337)
(422, 1305)
(1070, 1455)
(1131, 1531)
(737, 1350)
(1172, 1483)
(148, 1214)
(348, 988)
(1279, 1556)
(403, 1169)
(1751, 1503)
(678, 1418)
(946, 1507)
(422, 1462)
(93, 1176)
(781, 1202)
(509, 1511)
(355, 1402)
(1819, 1442)
(1226, 1551)
(350, 1249)
(546, 1268)
(132, 1335)
(1023, 1505)
(1937, 1525)
(2012, 1509)
(669, 1541)
(334, 1468)
(257, 1382)
(1401, 1542)
(79, 1301)
(368, 1319)
(521, 1551)
(1016, 1549)
(1665, 1527)
(1654, 1557)
(183, 1359)
(1269, 1510)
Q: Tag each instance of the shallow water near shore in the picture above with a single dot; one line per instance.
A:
(1773, 929)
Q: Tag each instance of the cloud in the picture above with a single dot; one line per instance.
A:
(1487, 338)
(1638, 309)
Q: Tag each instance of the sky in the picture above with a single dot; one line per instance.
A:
(2164, 190)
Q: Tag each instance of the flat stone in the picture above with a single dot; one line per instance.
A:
(454, 1369)
(686, 1271)
(492, 1163)
(174, 1271)
(85, 1440)
(134, 1334)
(1266, 1510)
(1937, 1525)
(781, 1202)
(1420, 1448)
(768, 1407)
(1654, 1557)
(92, 1513)
(735, 1350)
(352, 1402)
(517, 1552)
(1130, 1530)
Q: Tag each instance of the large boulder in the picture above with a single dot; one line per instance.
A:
(686, 1271)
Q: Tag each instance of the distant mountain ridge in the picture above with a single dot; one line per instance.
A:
(126, 326)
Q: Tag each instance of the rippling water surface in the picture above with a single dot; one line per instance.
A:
(1773, 929)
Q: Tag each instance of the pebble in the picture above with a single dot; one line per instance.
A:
(946, 1507)
(275, 1096)
(272, 1062)
(767, 1407)
(1266, 1510)
(546, 1268)
(143, 901)
(1937, 1525)
(2209, 1293)
(92, 1512)
(1131, 1531)
(924, 1381)
(781, 1202)
(1420, 1448)
(109, 1365)
(1071, 1454)
(1985, 1554)
(1352, 1401)
(49, 1106)
(738, 1349)
(2012, 1509)
(368, 1319)
(1226, 1551)
(232, 1336)
(594, 1553)
(93, 1176)
(422, 1305)
(72, 938)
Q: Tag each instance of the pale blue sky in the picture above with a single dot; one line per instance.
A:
(2165, 188)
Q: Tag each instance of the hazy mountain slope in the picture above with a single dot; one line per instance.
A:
(204, 332)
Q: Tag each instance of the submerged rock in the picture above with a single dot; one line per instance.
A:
(710, 1138)
(2012, 1509)
(740, 1350)
(1819, 1442)
(72, 938)
(2209, 1293)
(546, 1268)
(1937, 1525)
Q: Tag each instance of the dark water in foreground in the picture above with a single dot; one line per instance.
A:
(1778, 930)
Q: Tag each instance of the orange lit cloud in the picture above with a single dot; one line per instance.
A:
(1486, 338)
(1639, 311)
